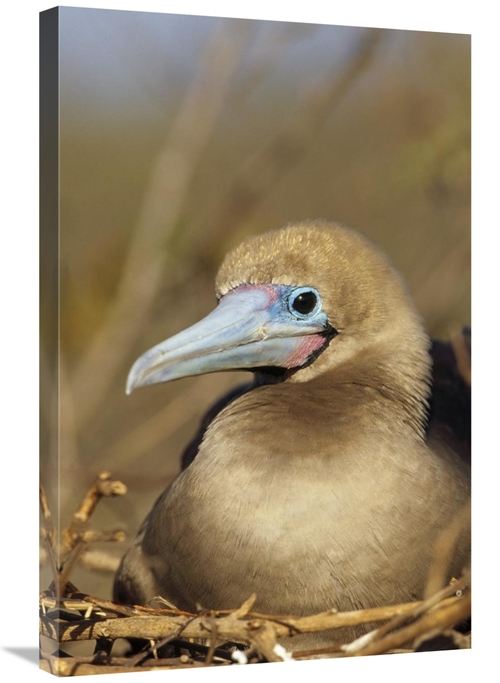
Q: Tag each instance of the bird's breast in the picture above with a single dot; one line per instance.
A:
(304, 530)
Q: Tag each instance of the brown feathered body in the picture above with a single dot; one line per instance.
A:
(316, 488)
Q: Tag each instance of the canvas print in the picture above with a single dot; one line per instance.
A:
(255, 342)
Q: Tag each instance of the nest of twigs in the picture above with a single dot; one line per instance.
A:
(126, 638)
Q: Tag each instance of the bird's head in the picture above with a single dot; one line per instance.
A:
(293, 303)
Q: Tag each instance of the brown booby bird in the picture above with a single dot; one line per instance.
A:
(323, 483)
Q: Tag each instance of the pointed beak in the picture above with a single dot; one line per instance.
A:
(250, 328)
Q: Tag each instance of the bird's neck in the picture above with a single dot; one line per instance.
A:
(389, 386)
(394, 388)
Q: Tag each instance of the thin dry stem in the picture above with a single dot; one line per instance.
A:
(435, 622)
(92, 536)
(77, 536)
(102, 486)
(47, 517)
(229, 627)
(69, 563)
(444, 548)
(399, 619)
(49, 534)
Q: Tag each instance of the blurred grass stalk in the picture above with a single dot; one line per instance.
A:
(145, 265)
(150, 250)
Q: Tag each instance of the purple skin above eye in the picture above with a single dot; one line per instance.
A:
(253, 326)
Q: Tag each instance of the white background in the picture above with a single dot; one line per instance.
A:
(19, 328)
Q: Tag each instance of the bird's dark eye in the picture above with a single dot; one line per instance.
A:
(303, 301)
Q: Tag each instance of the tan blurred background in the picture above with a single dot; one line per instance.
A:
(182, 135)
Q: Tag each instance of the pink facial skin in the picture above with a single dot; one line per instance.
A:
(309, 345)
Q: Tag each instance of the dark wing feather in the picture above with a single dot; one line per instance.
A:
(191, 449)
(450, 405)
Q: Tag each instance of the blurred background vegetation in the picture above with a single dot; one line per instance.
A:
(180, 136)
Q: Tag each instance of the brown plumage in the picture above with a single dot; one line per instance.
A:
(323, 483)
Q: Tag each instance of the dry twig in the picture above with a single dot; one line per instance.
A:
(262, 633)
(444, 547)
(229, 627)
(433, 623)
(76, 537)
(77, 534)
(367, 641)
